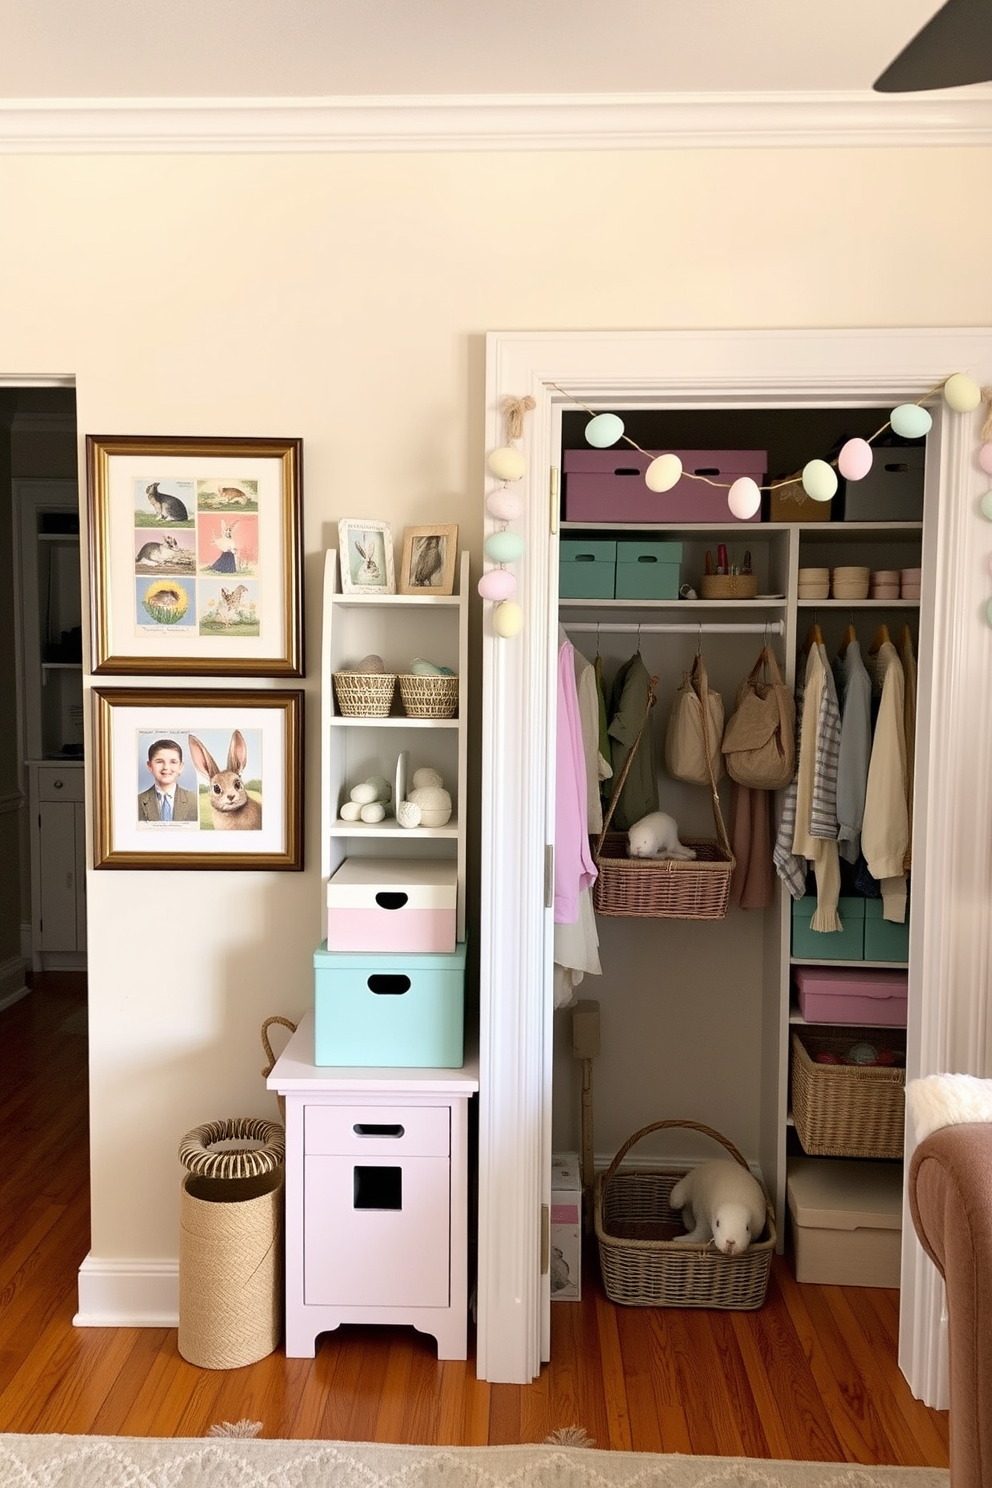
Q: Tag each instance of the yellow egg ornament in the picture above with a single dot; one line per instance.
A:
(664, 472)
(508, 618)
(962, 393)
(507, 463)
(819, 480)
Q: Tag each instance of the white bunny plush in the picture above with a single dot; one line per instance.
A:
(657, 836)
(720, 1201)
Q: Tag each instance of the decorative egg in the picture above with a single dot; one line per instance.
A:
(382, 785)
(910, 421)
(497, 584)
(504, 547)
(855, 459)
(962, 393)
(664, 472)
(862, 1054)
(505, 505)
(744, 497)
(988, 612)
(508, 618)
(426, 776)
(371, 665)
(985, 458)
(350, 811)
(986, 505)
(819, 480)
(408, 814)
(507, 463)
(365, 793)
(373, 812)
(434, 803)
(603, 430)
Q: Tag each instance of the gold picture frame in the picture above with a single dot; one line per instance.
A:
(195, 556)
(228, 763)
(429, 558)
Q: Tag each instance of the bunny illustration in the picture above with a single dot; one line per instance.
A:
(229, 608)
(233, 809)
(232, 496)
(154, 554)
(227, 561)
(166, 508)
(370, 572)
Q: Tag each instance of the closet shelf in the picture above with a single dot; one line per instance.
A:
(684, 606)
(858, 965)
(393, 722)
(858, 604)
(391, 828)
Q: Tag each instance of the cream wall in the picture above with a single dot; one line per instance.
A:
(345, 299)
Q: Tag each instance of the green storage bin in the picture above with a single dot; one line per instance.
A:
(829, 945)
(648, 570)
(393, 1009)
(587, 570)
(885, 940)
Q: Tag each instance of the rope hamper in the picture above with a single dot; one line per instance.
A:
(231, 1244)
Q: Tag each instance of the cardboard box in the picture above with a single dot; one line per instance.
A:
(845, 1221)
(566, 1228)
(608, 486)
(846, 995)
(789, 503)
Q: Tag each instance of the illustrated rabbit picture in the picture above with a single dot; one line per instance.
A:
(232, 808)
(366, 552)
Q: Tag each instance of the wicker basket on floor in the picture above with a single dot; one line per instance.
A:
(658, 888)
(642, 1263)
(846, 1110)
(428, 697)
(364, 694)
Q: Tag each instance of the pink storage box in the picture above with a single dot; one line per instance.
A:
(608, 486)
(392, 904)
(847, 995)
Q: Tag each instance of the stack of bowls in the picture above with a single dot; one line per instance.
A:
(814, 583)
(909, 583)
(885, 583)
(850, 583)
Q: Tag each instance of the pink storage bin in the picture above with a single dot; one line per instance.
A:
(847, 995)
(383, 905)
(608, 486)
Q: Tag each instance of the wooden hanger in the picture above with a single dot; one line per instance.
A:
(905, 638)
(814, 636)
(881, 639)
(850, 635)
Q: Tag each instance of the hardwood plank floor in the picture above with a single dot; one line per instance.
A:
(812, 1375)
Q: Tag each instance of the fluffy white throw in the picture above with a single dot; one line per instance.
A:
(947, 1100)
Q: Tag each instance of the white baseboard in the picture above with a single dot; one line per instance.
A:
(128, 1294)
(12, 973)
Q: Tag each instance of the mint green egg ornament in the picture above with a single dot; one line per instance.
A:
(603, 430)
(819, 480)
(504, 547)
(910, 421)
(986, 505)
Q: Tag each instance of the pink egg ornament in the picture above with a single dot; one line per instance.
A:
(498, 584)
(505, 505)
(855, 459)
(985, 458)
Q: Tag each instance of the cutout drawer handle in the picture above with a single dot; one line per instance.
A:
(388, 984)
(388, 900)
(378, 1129)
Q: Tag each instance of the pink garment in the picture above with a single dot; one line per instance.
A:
(574, 867)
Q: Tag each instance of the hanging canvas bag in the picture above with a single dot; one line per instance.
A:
(685, 749)
(759, 743)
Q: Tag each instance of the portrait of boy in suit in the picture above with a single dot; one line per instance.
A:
(167, 801)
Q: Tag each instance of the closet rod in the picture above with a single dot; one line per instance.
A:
(744, 627)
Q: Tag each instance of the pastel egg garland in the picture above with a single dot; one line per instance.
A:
(507, 463)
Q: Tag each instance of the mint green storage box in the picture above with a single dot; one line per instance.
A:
(398, 1010)
(829, 945)
(885, 940)
(587, 570)
(648, 570)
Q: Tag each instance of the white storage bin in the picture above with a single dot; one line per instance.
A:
(393, 904)
(566, 1228)
(845, 1221)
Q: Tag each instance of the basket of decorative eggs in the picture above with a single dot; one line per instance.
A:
(848, 1092)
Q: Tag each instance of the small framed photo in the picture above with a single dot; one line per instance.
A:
(429, 555)
(366, 557)
(198, 779)
(195, 555)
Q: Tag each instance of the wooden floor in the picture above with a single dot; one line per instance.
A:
(811, 1376)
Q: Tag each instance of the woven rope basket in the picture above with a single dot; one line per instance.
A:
(728, 586)
(642, 888)
(364, 694)
(428, 697)
(845, 1110)
(636, 1229)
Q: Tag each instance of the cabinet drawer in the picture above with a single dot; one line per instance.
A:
(57, 783)
(377, 1131)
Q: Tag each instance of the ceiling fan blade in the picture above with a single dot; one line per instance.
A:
(953, 48)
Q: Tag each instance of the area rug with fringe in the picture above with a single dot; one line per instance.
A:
(230, 1462)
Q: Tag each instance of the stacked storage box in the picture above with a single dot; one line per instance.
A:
(866, 935)
(390, 978)
(608, 485)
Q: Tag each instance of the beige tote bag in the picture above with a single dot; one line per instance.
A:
(685, 749)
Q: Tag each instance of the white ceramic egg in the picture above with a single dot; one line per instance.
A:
(855, 459)
(508, 618)
(505, 505)
(426, 776)
(382, 785)
(962, 393)
(371, 665)
(910, 421)
(373, 812)
(664, 472)
(504, 547)
(351, 811)
(744, 497)
(819, 480)
(603, 430)
(497, 584)
(365, 793)
(507, 463)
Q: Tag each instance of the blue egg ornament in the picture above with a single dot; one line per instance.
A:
(504, 547)
(910, 421)
(603, 430)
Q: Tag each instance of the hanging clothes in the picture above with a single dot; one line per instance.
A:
(598, 769)
(885, 833)
(604, 732)
(908, 659)
(792, 869)
(752, 882)
(629, 702)
(854, 697)
(576, 937)
(819, 742)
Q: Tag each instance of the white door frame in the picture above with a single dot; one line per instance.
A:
(951, 1025)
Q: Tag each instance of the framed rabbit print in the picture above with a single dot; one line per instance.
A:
(195, 556)
(198, 779)
(366, 557)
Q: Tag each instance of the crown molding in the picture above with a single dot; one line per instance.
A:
(478, 122)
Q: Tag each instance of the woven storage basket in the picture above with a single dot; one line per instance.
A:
(364, 694)
(728, 586)
(845, 1110)
(428, 697)
(641, 1261)
(650, 888)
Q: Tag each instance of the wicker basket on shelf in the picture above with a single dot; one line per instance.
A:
(658, 888)
(428, 697)
(728, 586)
(845, 1110)
(364, 694)
(642, 1261)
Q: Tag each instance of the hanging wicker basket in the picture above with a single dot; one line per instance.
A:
(642, 1262)
(659, 888)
